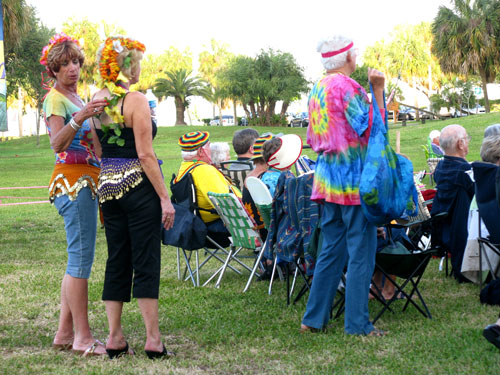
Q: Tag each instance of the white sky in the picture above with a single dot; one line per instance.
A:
(246, 26)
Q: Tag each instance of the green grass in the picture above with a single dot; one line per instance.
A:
(219, 331)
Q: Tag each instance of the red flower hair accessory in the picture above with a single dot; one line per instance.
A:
(108, 65)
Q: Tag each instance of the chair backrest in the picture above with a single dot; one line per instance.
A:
(237, 171)
(432, 163)
(484, 175)
(236, 219)
(261, 197)
(304, 164)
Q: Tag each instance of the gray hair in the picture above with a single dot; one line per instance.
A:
(189, 155)
(434, 134)
(490, 149)
(243, 140)
(492, 130)
(334, 43)
(450, 136)
(219, 151)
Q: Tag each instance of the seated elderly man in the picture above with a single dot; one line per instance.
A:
(434, 138)
(243, 141)
(197, 161)
(455, 190)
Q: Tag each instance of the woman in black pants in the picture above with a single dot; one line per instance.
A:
(132, 194)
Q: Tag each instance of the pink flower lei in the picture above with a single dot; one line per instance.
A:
(58, 38)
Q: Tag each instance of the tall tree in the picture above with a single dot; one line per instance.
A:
(156, 66)
(90, 35)
(23, 66)
(467, 39)
(213, 60)
(16, 21)
(180, 85)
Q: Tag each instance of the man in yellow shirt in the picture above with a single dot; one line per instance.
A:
(197, 160)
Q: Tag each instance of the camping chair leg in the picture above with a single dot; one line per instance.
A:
(254, 269)
(229, 256)
(188, 267)
(214, 255)
(188, 259)
(272, 275)
(178, 265)
(294, 280)
(287, 285)
(197, 269)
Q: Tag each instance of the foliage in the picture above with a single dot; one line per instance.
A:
(360, 75)
(260, 82)
(155, 66)
(180, 85)
(17, 22)
(90, 36)
(455, 94)
(467, 39)
(407, 56)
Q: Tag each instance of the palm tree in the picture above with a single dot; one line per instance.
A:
(467, 39)
(181, 86)
(16, 16)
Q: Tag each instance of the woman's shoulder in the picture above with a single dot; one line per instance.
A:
(136, 97)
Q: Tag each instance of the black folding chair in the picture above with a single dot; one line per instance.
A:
(237, 171)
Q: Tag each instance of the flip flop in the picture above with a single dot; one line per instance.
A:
(116, 353)
(165, 354)
(90, 351)
(377, 333)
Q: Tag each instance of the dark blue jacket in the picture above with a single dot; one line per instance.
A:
(455, 190)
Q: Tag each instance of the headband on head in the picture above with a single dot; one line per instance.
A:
(259, 145)
(193, 141)
(56, 39)
(337, 52)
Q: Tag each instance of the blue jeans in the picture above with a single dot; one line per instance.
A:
(80, 223)
(347, 237)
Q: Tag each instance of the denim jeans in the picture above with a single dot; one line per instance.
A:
(347, 238)
(80, 223)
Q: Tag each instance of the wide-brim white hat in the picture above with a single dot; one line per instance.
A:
(288, 153)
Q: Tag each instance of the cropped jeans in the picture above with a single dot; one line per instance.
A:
(347, 238)
(80, 223)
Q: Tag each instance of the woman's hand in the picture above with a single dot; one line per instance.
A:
(92, 108)
(376, 78)
(167, 213)
(381, 232)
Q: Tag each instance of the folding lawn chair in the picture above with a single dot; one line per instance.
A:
(432, 164)
(410, 267)
(489, 212)
(244, 234)
(237, 171)
(184, 194)
(263, 201)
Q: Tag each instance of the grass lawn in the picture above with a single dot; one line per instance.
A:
(219, 331)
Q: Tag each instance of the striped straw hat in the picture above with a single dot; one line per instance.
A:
(193, 141)
(259, 144)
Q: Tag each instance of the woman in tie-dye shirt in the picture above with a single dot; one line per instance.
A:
(340, 116)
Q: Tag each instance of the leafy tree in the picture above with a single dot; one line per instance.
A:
(261, 82)
(156, 66)
(180, 85)
(90, 35)
(24, 68)
(213, 61)
(407, 56)
(467, 39)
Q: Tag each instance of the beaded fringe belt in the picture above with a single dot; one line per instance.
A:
(117, 177)
(69, 179)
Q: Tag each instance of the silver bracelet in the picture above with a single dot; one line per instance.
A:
(74, 125)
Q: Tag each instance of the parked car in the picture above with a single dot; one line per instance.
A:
(406, 113)
(227, 120)
(301, 120)
(476, 110)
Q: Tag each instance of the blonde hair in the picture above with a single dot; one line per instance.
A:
(63, 52)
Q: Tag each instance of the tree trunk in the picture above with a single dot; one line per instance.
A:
(219, 107)
(415, 103)
(484, 83)
(284, 108)
(213, 110)
(252, 109)
(247, 111)
(179, 111)
(38, 109)
(234, 111)
(20, 110)
(270, 111)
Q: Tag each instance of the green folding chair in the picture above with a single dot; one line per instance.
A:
(244, 234)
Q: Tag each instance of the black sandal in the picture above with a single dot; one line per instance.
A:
(165, 354)
(116, 353)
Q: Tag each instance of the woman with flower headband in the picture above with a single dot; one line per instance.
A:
(132, 194)
(73, 187)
